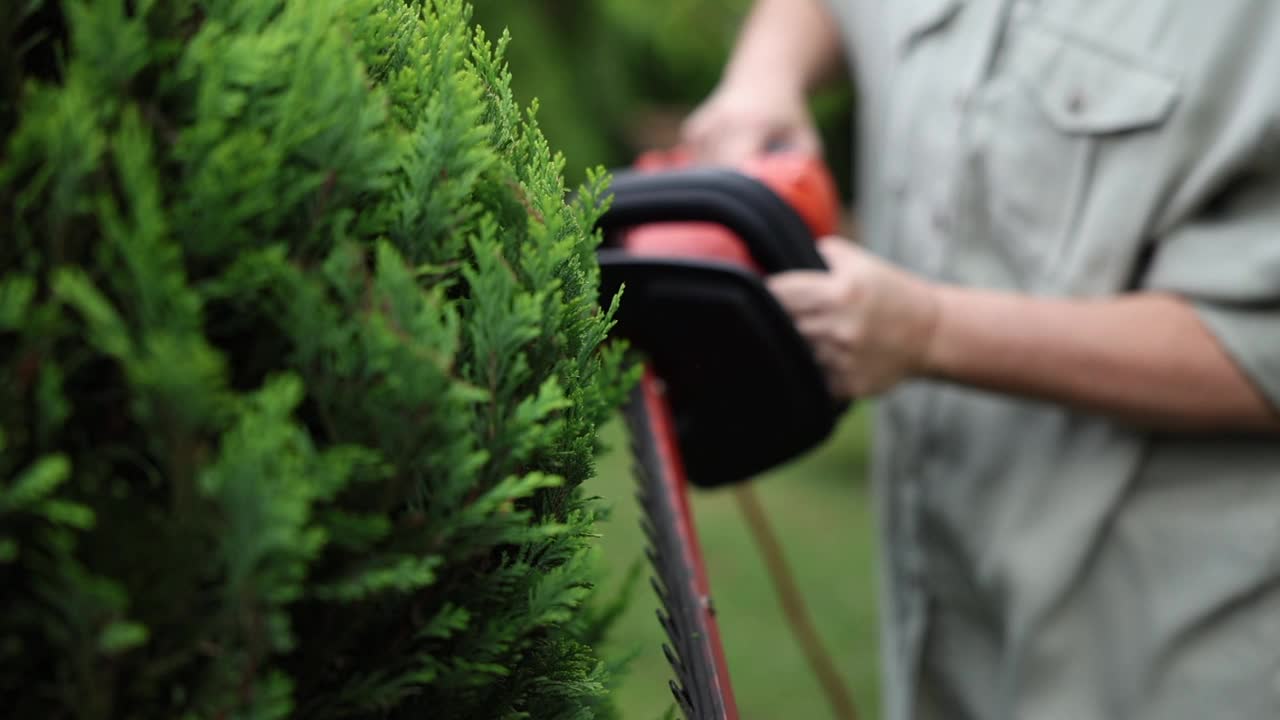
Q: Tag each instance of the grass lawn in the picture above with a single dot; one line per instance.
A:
(820, 509)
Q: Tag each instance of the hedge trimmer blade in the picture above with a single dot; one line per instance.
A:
(701, 685)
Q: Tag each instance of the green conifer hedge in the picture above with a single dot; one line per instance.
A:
(302, 368)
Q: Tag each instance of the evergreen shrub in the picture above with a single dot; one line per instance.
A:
(302, 367)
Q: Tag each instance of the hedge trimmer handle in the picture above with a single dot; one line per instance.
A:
(692, 247)
(775, 237)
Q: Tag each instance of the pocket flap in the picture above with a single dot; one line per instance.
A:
(1089, 90)
(921, 17)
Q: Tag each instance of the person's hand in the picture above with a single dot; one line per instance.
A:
(870, 324)
(743, 119)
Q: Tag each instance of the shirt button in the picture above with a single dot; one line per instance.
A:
(1076, 102)
(941, 222)
(961, 101)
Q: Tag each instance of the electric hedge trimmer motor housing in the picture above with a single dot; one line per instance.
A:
(730, 388)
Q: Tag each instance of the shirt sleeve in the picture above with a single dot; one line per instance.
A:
(1226, 261)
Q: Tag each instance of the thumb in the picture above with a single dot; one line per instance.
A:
(839, 253)
(800, 292)
(696, 132)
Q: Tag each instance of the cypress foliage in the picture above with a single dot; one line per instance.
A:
(302, 368)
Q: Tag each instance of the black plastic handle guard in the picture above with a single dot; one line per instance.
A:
(775, 235)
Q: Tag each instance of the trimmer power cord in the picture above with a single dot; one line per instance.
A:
(793, 605)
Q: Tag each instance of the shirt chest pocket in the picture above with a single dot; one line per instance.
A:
(1039, 128)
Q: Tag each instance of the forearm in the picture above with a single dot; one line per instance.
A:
(788, 45)
(1146, 358)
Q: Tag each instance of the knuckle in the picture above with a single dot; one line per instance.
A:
(851, 288)
(848, 335)
(839, 292)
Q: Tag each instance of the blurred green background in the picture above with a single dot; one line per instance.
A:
(612, 78)
(820, 509)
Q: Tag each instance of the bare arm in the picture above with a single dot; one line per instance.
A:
(1145, 357)
(791, 44)
(785, 49)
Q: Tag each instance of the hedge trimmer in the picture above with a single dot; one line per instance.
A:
(730, 389)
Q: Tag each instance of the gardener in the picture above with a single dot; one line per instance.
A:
(1070, 308)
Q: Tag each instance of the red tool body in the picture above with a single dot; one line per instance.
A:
(802, 181)
(730, 389)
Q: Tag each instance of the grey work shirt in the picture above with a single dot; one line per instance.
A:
(1042, 562)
